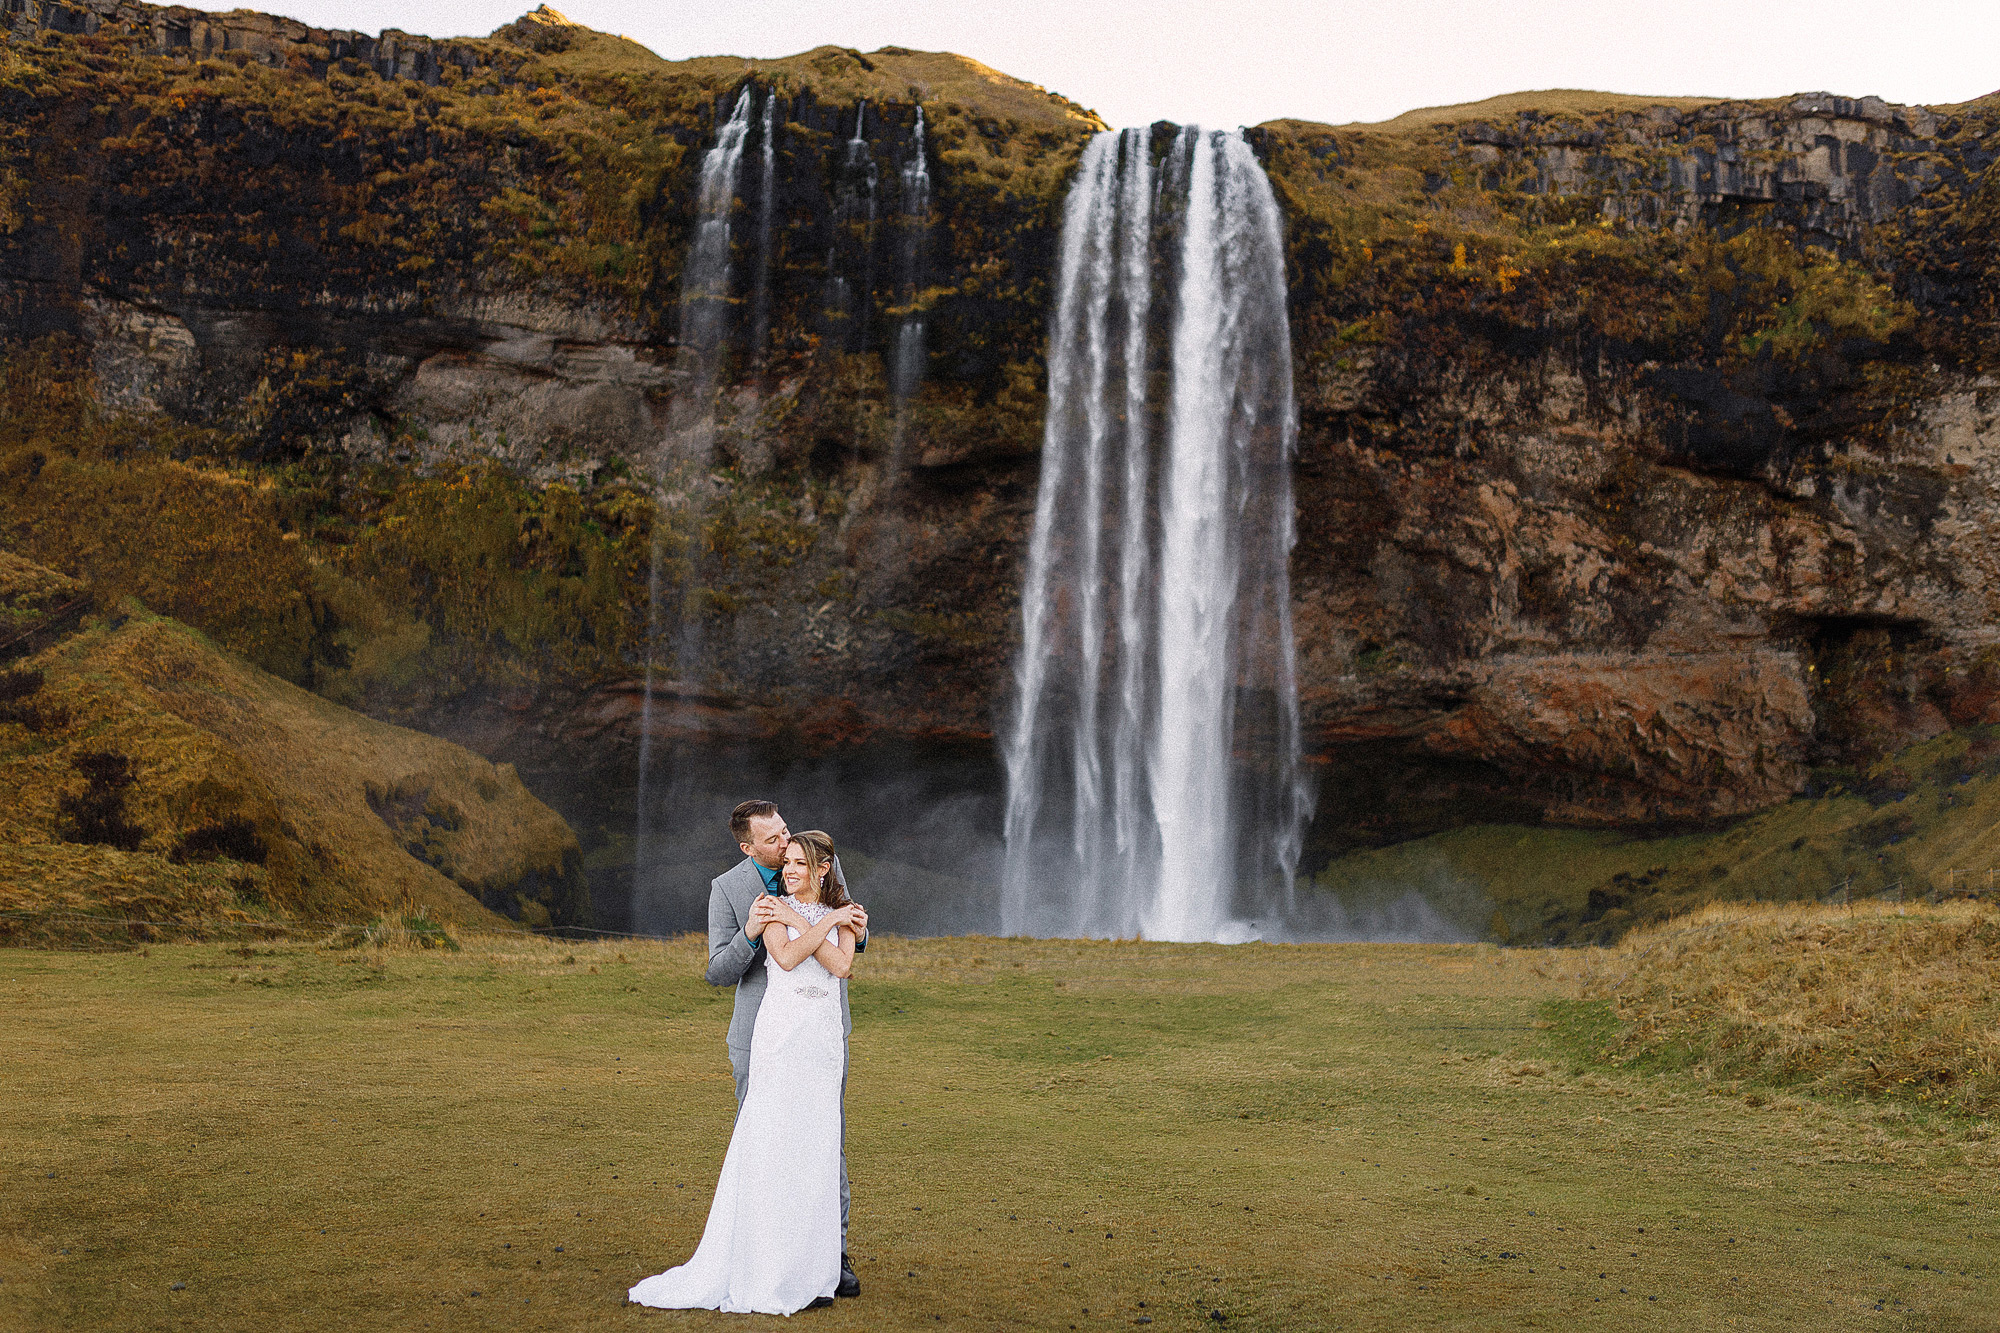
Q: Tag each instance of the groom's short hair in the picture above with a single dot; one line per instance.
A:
(740, 817)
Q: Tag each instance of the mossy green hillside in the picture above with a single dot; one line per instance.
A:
(388, 588)
(1922, 823)
(150, 775)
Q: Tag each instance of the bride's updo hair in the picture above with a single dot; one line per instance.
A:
(818, 848)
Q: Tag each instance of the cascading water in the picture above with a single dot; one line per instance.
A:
(704, 331)
(705, 307)
(1153, 756)
(906, 367)
(906, 354)
(850, 259)
(760, 306)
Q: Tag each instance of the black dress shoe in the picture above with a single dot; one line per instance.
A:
(819, 1302)
(850, 1285)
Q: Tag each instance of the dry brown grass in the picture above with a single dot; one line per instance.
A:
(395, 932)
(1877, 1000)
(67, 894)
(897, 74)
(1549, 101)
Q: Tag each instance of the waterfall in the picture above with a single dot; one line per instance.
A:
(760, 305)
(852, 250)
(860, 164)
(704, 331)
(1153, 754)
(906, 367)
(705, 281)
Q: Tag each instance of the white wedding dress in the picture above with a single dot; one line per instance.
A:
(772, 1243)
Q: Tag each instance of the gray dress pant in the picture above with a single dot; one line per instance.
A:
(739, 1065)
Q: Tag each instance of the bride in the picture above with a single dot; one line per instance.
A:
(772, 1243)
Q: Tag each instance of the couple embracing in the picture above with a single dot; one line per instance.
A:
(782, 929)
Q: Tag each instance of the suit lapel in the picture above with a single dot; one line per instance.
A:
(744, 886)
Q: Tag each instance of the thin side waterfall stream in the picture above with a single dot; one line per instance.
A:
(906, 367)
(850, 265)
(906, 355)
(1153, 776)
(704, 330)
(760, 304)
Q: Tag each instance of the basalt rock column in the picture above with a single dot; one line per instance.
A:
(1152, 758)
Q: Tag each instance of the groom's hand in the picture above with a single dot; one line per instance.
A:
(762, 913)
(860, 919)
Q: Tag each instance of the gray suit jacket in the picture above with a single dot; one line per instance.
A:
(734, 959)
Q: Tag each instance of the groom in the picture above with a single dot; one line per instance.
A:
(739, 910)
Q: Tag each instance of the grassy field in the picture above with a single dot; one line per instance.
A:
(1043, 1135)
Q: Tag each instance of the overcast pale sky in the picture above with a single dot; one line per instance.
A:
(1246, 61)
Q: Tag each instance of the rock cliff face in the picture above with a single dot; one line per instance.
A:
(1652, 563)
(1829, 167)
(1649, 452)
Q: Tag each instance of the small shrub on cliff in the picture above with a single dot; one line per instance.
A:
(1758, 294)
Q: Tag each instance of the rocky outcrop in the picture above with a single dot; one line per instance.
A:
(1627, 639)
(279, 42)
(1610, 550)
(1829, 167)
